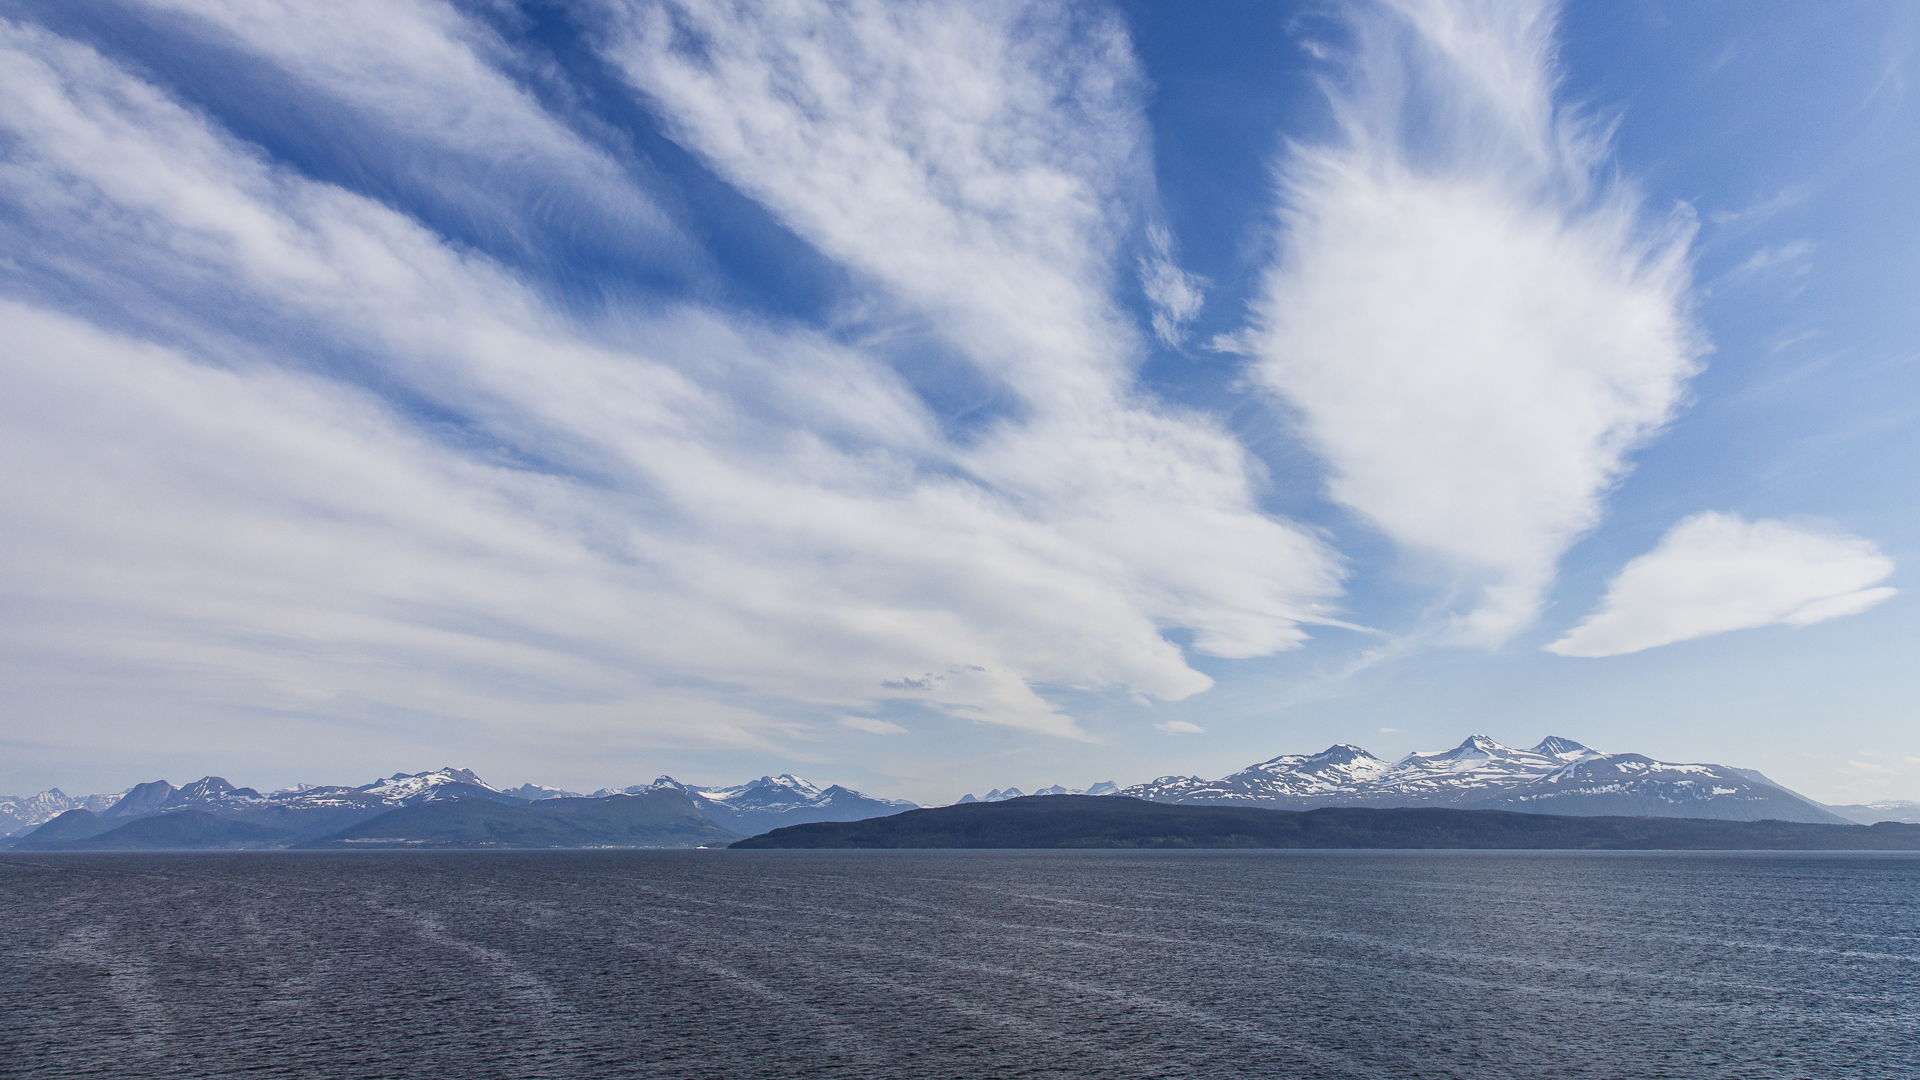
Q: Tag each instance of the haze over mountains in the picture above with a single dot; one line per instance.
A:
(1558, 776)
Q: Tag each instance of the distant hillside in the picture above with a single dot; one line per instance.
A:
(64, 831)
(664, 818)
(1889, 810)
(1089, 821)
(184, 830)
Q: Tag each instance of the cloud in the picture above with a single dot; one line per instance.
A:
(1180, 727)
(416, 87)
(871, 726)
(1469, 318)
(1717, 572)
(1762, 208)
(981, 165)
(288, 452)
(1789, 261)
(1768, 259)
(1176, 295)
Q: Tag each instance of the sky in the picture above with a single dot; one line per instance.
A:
(931, 398)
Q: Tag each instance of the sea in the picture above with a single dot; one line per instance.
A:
(961, 964)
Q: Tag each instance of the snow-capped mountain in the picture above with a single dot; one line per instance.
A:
(215, 794)
(19, 813)
(1104, 787)
(1558, 776)
(537, 792)
(1003, 794)
(774, 801)
(304, 811)
(310, 811)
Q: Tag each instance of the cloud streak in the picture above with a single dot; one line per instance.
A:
(296, 455)
(1718, 572)
(1471, 321)
(980, 164)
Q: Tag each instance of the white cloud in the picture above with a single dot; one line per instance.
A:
(981, 164)
(673, 527)
(978, 160)
(871, 725)
(1469, 318)
(420, 83)
(1717, 572)
(1180, 727)
(1176, 295)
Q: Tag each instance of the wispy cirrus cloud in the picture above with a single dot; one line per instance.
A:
(1718, 572)
(1176, 295)
(982, 165)
(1471, 318)
(413, 95)
(299, 455)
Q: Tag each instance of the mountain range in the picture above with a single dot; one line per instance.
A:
(1558, 776)
(1104, 787)
(755, 806)
(212, 813)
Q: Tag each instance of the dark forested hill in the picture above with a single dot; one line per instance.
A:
(1086, 821)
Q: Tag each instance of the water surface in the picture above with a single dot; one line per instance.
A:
(961, 964)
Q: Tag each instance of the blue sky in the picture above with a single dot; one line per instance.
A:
(932, 398)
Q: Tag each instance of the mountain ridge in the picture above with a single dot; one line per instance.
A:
(1556, 776)
(212, 813)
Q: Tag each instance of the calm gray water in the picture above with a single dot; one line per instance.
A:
(961, 964)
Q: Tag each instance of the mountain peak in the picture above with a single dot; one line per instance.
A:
(444, 782)
(141, 799)
(1476, 744)
(1555, 746)
(209, 789)
(784, 780)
